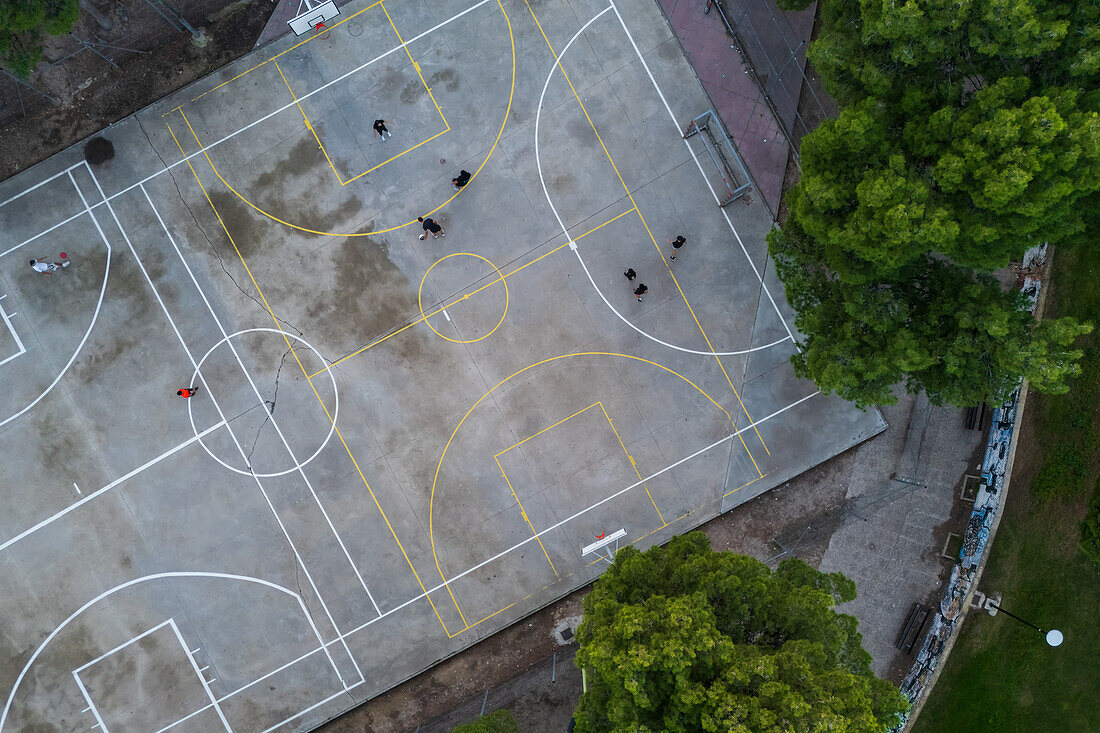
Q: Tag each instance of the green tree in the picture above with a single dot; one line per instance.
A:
(22, 25)
(964, 138)
(681, 638)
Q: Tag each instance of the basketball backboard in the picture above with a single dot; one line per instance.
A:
(310, 14)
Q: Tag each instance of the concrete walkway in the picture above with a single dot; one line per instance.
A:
(727, 80)
(399, 445)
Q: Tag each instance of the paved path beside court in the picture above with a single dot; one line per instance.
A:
(736, 96)
(398, 446)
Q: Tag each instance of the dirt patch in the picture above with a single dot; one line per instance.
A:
(491, 662)
(814, 500)
(91, 93)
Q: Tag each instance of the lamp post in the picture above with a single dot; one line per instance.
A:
(1053, 636)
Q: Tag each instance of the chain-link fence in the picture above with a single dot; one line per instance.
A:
(773, 44)
(104, 37)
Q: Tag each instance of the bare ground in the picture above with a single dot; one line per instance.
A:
(799, 516)
(813, 500)
(91, 94)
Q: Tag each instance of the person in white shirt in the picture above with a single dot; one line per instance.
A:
(40, 265)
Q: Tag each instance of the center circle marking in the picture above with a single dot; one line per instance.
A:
(299, 464)
(420, 297)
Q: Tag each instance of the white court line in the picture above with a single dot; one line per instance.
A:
(41, 183)
(148, 178)
(221, 414)
(77, 504)
(77, 489)
(244, 129)
(136, 581)
(198, 673)
(6, 318)
(725, 215)
(256, 681)
(603, 501)
(95, 313)
(123, 645)
(44, 232)
(573, 245)
(263, 403)
(312, 707)
(482, 564)
(244, 455)
(171, 623)
(268, 411)
(91, 705)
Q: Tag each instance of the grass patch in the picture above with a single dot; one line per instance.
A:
(1001, 675)
(1068, 438)
(500, 721)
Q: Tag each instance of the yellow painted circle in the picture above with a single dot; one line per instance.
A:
(307, 230)
(447, 447)
(420, 299)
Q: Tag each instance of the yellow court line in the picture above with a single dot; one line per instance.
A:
(291, 347)
(526, 518)
(705, 338)
(559, 422)
(564, 577)
(439, 466)
(446, 125)
(633, 463)
(609, 221)
(440, 309)
(326, 30)
(636, 540)
(500, 132)
(413, 62)
(626, 188)
(379, 165)
(475, 623)
(309, 125)
(734, 491)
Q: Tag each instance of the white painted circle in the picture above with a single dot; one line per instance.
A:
(1054, 637)
(299, 464)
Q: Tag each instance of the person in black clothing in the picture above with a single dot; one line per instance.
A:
(381, 130)
(640, 291)
(459, 183)
(676, 244)
(431, 227)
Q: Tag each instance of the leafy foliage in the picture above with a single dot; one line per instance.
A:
(682, 638)
(964, 138)
(1090, 528)
(22, 25)
(498, 721)
(1070, 441)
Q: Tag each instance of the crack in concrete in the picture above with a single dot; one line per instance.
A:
(269, 412)
(221, 260)
(150, 141)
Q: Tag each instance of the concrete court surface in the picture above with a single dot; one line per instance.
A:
(397, 446)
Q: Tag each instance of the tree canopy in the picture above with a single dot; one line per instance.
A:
(682, 638)
(22, 25)
(968, 132)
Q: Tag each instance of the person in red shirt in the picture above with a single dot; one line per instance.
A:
(187, 392)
